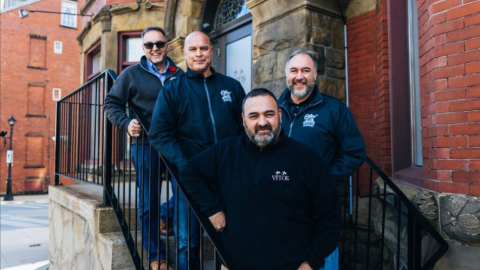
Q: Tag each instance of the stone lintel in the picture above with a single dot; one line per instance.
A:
(265, 12)
(84, 33)
(105, 17)
(122, 9)
(157, 6)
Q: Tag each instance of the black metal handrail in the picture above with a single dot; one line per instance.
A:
(411, 240)
(79, 130)
(88, 148)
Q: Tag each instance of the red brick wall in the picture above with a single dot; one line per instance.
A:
(449, 69)
(369, 82)
(94, 8)
(62, 71)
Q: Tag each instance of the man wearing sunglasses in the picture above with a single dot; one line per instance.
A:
(192, 113)
(139, 85)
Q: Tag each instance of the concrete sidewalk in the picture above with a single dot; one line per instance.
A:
(23, 199)
(24, 232)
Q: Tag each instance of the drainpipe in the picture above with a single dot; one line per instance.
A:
(350, 182)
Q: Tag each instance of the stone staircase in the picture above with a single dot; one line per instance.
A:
(86, 236)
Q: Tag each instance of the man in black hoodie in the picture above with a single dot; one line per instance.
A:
(139, 85)
(192, 113)
(274, 199)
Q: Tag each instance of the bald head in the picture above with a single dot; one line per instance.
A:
(196, 34)
(197, 51)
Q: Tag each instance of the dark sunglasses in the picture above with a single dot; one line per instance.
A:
(159, 44)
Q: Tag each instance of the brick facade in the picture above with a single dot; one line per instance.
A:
(29, 71)
(449, 65)
(449, 62)
(369, 82)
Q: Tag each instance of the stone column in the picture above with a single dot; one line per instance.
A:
(281, 27)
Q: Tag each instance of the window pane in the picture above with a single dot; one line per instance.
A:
(239, 61)
(96, 61)
(69, 19)
(134, 49)
(230, 10)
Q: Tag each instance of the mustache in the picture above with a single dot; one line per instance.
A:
(305, 81)
(264, 127)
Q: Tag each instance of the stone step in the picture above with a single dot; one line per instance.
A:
(115, 255)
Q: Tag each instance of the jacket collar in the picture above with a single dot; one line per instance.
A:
(197, 75)
(317, 97)
(172, 68)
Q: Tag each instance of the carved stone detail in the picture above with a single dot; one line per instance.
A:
(460, 217)
(427, 205)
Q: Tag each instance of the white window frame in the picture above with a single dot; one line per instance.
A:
(57, 47)
(67, 19)
(56, 94)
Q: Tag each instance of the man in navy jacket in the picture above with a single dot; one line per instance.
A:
(321, 122)
(274, 199)
(193, 112)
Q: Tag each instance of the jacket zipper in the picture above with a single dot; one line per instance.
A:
(295, 117)
(210, 109)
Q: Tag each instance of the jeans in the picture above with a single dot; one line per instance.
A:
(182, 233)
(148, 201)
(331, 262)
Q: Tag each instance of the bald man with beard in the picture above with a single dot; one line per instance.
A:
(192, 113)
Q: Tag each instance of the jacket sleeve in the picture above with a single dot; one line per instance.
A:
(116, 100)
(199, 178)
(351, 147)
(163, 128)
(327, 216)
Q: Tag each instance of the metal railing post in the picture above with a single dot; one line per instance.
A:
(107, 152)
(57, 143)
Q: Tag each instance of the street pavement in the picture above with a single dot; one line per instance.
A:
(24, 233)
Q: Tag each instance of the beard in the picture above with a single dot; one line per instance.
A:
(266, 139)
(300, 94)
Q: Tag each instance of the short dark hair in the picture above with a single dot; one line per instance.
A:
(306, 52)
(154, 28)
(258, 92)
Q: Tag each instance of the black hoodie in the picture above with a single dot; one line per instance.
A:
(281, 202)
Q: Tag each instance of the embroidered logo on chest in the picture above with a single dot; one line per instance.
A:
(280, 176)
(309, 120)
(226, 96)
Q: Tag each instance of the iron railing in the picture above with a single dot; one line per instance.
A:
(384, 229)
(378, 217)
(90, 149)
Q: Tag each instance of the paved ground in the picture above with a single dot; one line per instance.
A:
(24, 233)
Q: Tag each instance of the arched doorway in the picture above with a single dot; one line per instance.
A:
(229, 25)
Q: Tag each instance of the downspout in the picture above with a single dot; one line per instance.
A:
(347, 102)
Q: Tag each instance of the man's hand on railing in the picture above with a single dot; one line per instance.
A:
(218, 221)
(305, 266)
(134, 128)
